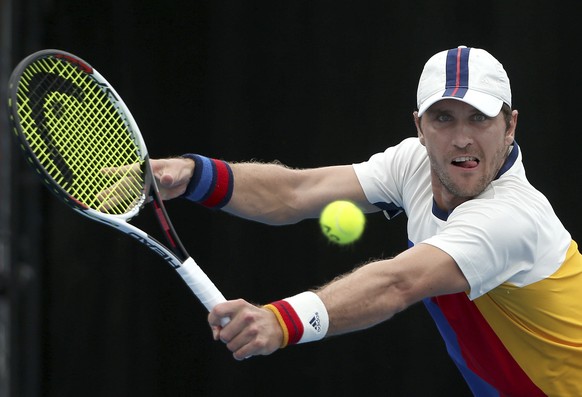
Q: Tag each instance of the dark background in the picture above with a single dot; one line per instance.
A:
(307, 83)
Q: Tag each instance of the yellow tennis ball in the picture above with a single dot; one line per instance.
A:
(342, 222)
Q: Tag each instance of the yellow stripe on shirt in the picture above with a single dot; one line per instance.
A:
(541, 326)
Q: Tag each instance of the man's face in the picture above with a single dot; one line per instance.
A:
(466, 149)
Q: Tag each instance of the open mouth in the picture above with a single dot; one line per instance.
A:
(465, 162)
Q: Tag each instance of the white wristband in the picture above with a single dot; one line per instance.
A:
(313, 315)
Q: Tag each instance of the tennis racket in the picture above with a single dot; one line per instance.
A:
(80, 138)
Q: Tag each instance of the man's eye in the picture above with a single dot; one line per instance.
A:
(443, 117)
(480, 117)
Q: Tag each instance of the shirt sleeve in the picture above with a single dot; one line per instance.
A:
(384, 176)
(495, 241)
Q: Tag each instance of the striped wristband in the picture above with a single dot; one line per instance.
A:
(212, 182)
(303, 318)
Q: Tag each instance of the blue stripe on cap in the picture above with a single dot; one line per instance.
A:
(457, 71)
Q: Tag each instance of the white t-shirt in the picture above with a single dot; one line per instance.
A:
(507, 234)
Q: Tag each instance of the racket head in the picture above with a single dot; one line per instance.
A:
(78, 134)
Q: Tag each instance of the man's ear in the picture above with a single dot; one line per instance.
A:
(510, 133)
(418, 129)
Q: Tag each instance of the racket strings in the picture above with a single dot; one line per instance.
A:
(80, 136)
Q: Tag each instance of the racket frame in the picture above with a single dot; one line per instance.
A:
(174, 254)
(177, 253)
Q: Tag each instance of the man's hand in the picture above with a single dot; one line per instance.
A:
(251, 331)
(172, 175)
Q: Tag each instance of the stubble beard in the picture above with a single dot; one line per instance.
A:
(466, 193)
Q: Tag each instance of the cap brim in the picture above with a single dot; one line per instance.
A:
(489, 105)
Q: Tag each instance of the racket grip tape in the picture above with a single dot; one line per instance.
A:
(201, 285)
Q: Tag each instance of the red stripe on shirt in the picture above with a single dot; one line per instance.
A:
(482, 350)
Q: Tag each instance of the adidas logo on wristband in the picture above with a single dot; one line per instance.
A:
(315, 322)
(303, 318)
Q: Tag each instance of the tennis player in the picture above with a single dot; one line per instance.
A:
(488, 256)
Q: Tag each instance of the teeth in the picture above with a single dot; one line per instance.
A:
(461, 159)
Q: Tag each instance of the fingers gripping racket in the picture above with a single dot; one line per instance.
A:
(81, 139)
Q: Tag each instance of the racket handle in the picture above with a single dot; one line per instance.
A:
(201, 285)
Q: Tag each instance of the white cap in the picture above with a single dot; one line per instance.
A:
(470, 75)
